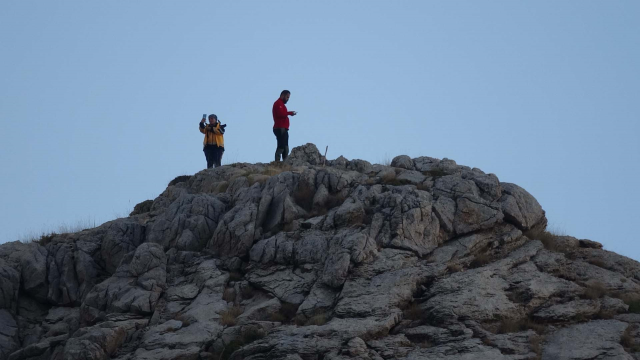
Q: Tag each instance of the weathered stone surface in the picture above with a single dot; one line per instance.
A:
(411, 176)
(568, 311)
(135, 287)
(188, 222)
(402, 161)
(519, 207)
(425, 259)
(287, 284)
(8, 334)
(9, 286)
(121, 237)
(598, 339)
(235, 233)
(307, 154)
(473, 213)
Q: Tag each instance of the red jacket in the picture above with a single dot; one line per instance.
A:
(280, 115)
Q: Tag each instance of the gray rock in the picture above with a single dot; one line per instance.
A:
(411, 176)
(287, 284)
(135, 287)
(598, 339)
(402, 161)
(520, 208)
(121, 237)
(235, 233)
(9, 286)
(361, 166)
(426, 270)
(8, 334)
(187, 223)
(445, 209)
(307, 154)
(568, 311)
(473, 213)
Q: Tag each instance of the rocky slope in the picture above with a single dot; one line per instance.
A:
(423, 259)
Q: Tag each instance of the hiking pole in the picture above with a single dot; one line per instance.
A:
(324, 159)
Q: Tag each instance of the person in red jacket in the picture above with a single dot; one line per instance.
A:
(281, 124)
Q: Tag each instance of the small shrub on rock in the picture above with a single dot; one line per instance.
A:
(303, 195)
(454, 267)
(435, 173)
(598, 263)
(480, 260)
(547, 238)
(46, 238)
(595, 290)
(317, 320)
(628, 341)
(507, 326)
(228, 317)
(413, 312)
(235, 276)
(632, 300)
(229, 295)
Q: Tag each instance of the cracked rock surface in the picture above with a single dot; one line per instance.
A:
(322, 259)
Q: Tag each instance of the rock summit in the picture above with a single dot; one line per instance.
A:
(322, 260)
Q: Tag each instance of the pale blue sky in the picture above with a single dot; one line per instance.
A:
(99, 101)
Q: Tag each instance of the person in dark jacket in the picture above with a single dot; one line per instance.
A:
(213, 140)
(281, 124)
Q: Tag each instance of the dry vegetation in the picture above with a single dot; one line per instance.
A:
(413, 312)
(454, 267)
(547, 238)
(228, 317)
(391, 179)
(316, 320)
(515, 325)
(628, 341)
(229, 295)
(235, 276)
(594, 290)
(434, 173)
(480, 260)
(303, 195)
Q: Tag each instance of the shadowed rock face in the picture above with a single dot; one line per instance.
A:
(423, 259)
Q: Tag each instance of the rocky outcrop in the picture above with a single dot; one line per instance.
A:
(322, 259)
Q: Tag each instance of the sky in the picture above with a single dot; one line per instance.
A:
(100, 101)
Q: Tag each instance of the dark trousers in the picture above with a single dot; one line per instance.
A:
(282, 136)
(213, 154)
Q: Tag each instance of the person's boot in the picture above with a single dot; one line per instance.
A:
(278, 153)
(285, 153)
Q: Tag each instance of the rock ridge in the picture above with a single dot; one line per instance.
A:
(322, 259)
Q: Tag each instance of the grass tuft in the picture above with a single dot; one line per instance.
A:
(228, 317)
(435, 173)
(454, 267)
(229, 295)
(413, 312)
(303, 195)
(507, 326)
(235, 276)
(317, 320)
(628, 340)
(480, 260)
(594, 290)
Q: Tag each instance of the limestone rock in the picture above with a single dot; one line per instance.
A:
(424, 259)
(598, 339)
